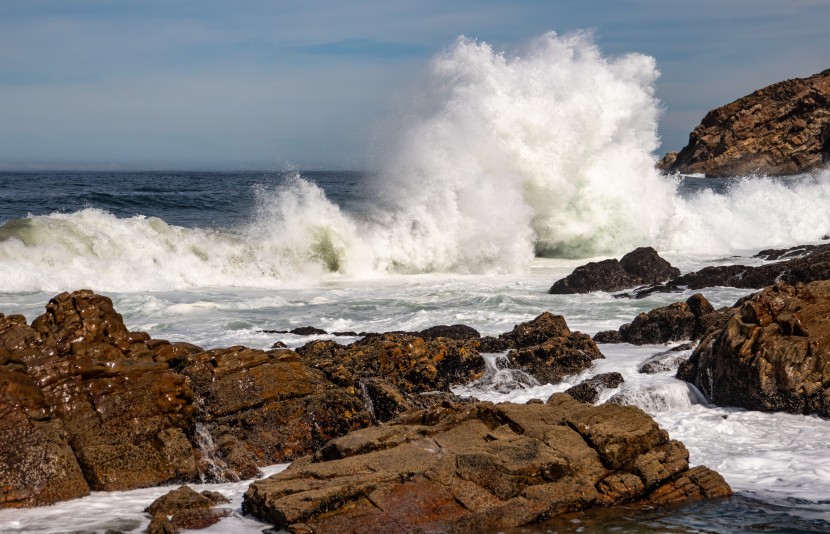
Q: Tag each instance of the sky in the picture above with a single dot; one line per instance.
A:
(270, 85)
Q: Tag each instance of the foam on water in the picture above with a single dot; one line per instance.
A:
(546, 151)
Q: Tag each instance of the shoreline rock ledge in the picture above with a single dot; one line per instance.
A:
(474, 467)
(779, 130)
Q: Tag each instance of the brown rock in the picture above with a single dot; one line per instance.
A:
(781, 129)
(688, 320)
(262, 408)
(184, 509)
(474, 467)
(774, 354)
(395, 371)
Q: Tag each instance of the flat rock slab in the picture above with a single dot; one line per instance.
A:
(469, 467)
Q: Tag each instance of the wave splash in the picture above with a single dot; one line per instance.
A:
(546, 152)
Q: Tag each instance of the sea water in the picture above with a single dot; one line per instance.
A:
(509, 171)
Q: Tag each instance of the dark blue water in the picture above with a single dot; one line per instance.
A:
(190, 199)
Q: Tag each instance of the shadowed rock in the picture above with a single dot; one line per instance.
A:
(812, 264)
(680, 321)
(480, 466)
(642, 266)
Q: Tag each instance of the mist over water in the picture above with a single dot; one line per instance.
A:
(548, 151)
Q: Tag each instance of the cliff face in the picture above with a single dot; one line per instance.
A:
(778, 130)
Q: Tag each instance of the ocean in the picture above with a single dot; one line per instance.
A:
(510, 173)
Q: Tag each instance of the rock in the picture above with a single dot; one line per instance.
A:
(263, 407)
(772, 355)
(668, 360)
(608, 336)
(125, 416)
(308, 331)
(605, 275)
(535, 332)
(551, 361)
(648, 266)
(781, 129)
(455, 331)
(588, 391)
(680, 321)
(393, 371)
(639, 267)
(37, 465)
(810, 264)
(184, 509)
(477, 467)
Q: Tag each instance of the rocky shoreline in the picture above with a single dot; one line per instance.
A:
(782, 129)
(372, 428)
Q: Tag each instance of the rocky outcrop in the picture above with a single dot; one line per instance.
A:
(781, 129)
(808, 265)
(773, 354)
(87, 404)
(642, 266)
(680, 321)
(92, 388)
(474, 467)
(397, 372)
(262, 408)
(185, 509)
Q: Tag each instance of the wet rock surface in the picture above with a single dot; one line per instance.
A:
(689, 320)
(468, 468)
(588, 391)
(95, 400)
(781, 129)
(396, 372)
(185, 509)
(772, 355)
(808, 265)
(642, 266)
(97, 407)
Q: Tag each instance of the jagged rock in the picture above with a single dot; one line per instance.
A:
(37, 465)
(778, 130)
(394, 370)
(95, 387)
(551, 361)
(667, 360)
(588, 391)
(772, 355)
(688, 320)
(537, 331)
(271, 402)
(478, 467)
(639, 267)
(185, 509)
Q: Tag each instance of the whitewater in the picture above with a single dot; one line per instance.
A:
(507, 171)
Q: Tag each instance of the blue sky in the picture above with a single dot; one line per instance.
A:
(270, 84)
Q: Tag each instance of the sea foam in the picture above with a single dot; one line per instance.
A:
(546, 151)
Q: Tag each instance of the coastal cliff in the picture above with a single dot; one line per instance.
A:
(779, 130)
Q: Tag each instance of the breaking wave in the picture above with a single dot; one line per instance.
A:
(504, 157)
